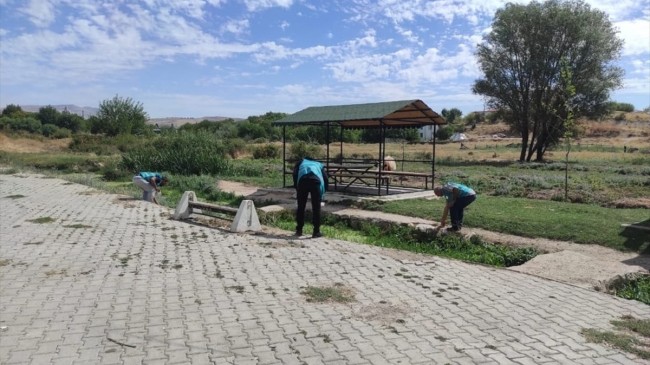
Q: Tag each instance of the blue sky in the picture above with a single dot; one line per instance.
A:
(237, 58)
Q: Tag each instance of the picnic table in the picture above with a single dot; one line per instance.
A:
(346, 175)
(370, 175)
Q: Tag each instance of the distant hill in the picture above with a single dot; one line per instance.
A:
(179, 121)
(87, 111)
(84, 111)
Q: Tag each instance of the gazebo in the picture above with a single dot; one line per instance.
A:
(382, 116)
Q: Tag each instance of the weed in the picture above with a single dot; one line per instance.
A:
(630, 335)
(16, 196)
(77, 225)
(237, 288)
(124, 260)
(631, 286)
(55, 272)
(328, 294)
(42, 220)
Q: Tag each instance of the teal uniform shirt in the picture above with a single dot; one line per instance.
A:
(463, 190)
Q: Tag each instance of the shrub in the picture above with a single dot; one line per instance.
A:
(62, 133)
(444, 133)
(184, 153)
(97, 144)
(48, 130)
(235, 147)
(266, 151)
(27, 124)
(301, 149)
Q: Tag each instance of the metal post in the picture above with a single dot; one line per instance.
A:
(433, 158)
(341, 142)
(284, 156)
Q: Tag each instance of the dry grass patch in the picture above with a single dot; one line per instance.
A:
(327, 294)
(630, 335)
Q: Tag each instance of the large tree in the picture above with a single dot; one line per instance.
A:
(120, 116)
(522, 57)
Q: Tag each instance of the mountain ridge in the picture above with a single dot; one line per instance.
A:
(87, 111)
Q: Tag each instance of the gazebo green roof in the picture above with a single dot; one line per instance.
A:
(402, 113)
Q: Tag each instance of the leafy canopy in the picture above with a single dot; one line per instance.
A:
(120, 116)
(521, 59)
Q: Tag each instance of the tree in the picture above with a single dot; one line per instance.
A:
(12, 110)
(120, 116)
(569, 92)
(48, 115)
(521, 61)
(70, 121)
(452, 114)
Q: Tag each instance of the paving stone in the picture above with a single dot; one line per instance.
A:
(183, 293)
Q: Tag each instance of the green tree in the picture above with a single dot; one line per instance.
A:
(120, 116)
(13, 110)
(70, 121)
(569, 92)
(452, 114)
(48, 115)
(521, 61)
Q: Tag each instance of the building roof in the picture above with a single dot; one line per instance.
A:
(402, 113)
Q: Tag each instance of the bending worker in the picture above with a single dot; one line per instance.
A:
(150, 183)
(309, 179)
(458, 197)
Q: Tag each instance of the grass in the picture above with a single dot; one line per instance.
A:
(15, 196)
(409, 239)
(336, 293)
(632, 286)
(630, 335)
(42, 220)
(580, 223)
(77, 225)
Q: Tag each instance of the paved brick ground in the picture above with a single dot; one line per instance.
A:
(115, 281)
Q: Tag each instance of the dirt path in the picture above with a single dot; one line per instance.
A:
(587, 266)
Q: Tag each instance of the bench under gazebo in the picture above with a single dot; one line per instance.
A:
(382, 116)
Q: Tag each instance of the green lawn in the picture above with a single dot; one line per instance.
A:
(580, 223)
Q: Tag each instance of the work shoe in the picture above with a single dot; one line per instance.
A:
(298, 233)
(316, 235)
(453, 229)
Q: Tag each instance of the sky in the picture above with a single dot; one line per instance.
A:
(239, 58)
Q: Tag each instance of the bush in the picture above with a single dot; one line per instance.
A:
(97, 144)
(184, 153)
(27, 124)
(301, 149)
(444, 133)
(235, 147)
(266, 151)
(48, 130)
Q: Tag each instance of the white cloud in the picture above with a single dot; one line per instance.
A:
(40, 12)
(641, 67)
(636, 34)
(255, 5)
(236, 27)
(619, 9)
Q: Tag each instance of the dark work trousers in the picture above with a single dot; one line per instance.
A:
(457, 210)
(308, 186)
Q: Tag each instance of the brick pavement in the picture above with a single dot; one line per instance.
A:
(114, 281)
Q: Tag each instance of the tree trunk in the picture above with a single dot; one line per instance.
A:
(524, 141)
